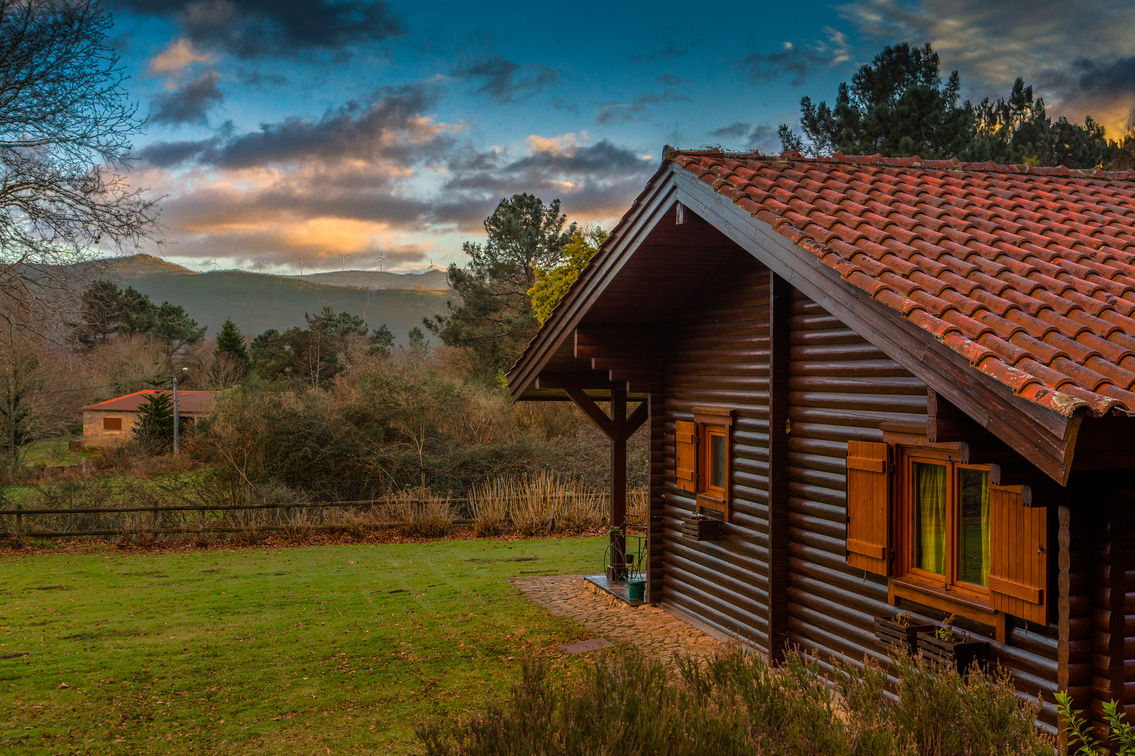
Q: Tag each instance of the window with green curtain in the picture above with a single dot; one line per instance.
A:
(717, 460)
(973, 526)
(929, 516)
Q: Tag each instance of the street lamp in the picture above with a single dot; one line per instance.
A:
(175, 378)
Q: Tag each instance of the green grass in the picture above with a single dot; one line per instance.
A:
(267, 650)
(51, 451)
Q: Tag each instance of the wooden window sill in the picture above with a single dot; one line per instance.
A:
(715, 504)
(952, 601)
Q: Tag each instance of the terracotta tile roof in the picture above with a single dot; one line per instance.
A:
(1029, 273)
(188, 402)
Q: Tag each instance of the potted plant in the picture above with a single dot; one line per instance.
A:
(636, 577)
(899, 632)
(947, 646)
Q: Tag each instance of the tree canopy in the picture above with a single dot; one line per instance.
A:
(316, 354)
(66, 125)
(495, 318)
(107, 310)
(551, 285)
(899, 105)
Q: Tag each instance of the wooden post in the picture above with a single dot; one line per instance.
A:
(780, 310)
(618, 480)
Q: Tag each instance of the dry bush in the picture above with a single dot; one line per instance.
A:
(489, 506)
(534, 506)
(419, 513)
(582, 511)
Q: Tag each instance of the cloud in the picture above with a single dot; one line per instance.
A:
(595, 181)
(796, 61)
(992, 43)
(507, 81)
(188, 103)
(621, 112)
(391, 124)
(178, 55)
(275, 28)
(741, 135)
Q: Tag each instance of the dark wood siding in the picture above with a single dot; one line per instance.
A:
(843, 389)
(719, 357)
(1113, 618)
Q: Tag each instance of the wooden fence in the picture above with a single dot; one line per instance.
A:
(19, 521)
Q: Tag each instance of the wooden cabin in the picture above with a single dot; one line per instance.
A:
(892, 385)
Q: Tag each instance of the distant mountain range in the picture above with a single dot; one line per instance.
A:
(259, 301)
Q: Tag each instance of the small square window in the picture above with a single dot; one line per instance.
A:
(112, 423)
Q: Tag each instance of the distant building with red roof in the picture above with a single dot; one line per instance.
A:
(110, 423)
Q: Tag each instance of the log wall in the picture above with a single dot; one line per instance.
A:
(719, 356)
(841, 388)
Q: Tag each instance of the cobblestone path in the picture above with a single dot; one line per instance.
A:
(646, 627)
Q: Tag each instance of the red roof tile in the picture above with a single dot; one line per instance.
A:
(1028, 273)
(189, 402)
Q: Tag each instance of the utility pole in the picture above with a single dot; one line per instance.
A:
(175, 377)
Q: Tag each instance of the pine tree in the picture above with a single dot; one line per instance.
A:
(495, 318)
(154, 428)
(230, 346)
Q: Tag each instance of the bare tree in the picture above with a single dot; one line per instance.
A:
(66, 125)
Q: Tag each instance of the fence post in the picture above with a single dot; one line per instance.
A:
(19, 518)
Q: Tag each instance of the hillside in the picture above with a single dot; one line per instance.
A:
(257, 302)
(431, 280)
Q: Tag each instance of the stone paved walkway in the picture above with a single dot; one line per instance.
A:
(648, 628)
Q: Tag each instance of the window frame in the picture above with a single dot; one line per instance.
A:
(710, 422)
(107, 429)
(945, 592)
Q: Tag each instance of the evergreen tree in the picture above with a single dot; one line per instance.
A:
(495, 317)
(15, 414)
(100, 310)
(416, 341)
(895, 105)
(230, 343)
(173, 326)
(898, 105)
(153, 430)
(381, 340)
(551, 285)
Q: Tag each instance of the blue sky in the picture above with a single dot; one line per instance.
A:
(321, 133)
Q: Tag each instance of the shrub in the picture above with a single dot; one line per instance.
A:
(1117, 729)
(419, 513)
(489, 506)
(736, 703)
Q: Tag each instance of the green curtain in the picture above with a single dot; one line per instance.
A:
(985, 530)
(930, 483)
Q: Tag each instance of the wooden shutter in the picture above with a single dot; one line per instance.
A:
(1018, 559)
(685, 455)
(868, 506)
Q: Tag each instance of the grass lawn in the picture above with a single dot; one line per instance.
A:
(279, 650)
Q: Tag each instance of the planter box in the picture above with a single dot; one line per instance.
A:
(959, 655)
(892, 636)
(701, 528)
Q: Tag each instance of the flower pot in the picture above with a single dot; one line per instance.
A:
(636, 589)
(893, 636)
(954, 653)
(698, 527)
